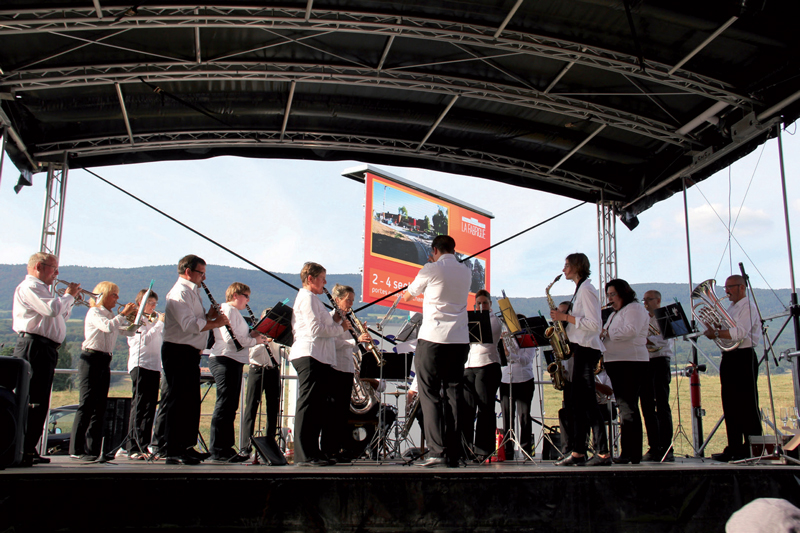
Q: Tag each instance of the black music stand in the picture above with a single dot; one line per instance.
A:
(480, 327)
(277, 324)
(397, 366)
(410, 328)
(532, 334)
(672, 321)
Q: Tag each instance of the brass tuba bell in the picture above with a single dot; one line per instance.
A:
(709, 312)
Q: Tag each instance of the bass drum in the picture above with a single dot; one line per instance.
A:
(361, 431)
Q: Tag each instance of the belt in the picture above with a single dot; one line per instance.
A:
(96, 352)
(45, 340)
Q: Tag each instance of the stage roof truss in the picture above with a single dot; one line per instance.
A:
(564, 97)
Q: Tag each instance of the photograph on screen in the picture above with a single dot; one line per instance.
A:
(478, 268)
(404, 225)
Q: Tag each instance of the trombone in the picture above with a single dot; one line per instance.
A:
(83, 296)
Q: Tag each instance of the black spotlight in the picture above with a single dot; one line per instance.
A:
(629, 219)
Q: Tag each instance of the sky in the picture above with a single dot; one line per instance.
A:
(282, 213)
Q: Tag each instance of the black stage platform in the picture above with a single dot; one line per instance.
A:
(688, 495)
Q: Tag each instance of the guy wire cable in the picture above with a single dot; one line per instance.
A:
(212, 241)
(480, 252)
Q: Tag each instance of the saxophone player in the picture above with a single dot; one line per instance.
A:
(583, 330)
(738, 372)
(334, 428)
(655, 388)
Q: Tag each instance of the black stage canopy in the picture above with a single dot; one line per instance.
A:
(611, 99)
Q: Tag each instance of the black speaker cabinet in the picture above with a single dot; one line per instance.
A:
(15, 378)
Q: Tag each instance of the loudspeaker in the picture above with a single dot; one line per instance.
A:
(15, 378)
(268, 449)
(116, 422)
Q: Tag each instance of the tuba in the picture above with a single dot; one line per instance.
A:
(362, 397)
(709, 312)
(557, 335)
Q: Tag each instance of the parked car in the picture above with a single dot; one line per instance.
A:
(59, 429)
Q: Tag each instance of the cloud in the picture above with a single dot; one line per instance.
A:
(713, 219)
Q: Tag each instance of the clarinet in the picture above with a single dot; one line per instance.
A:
(216, 306)
(252, 326)
(344, 318)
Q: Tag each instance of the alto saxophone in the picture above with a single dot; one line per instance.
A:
(557, 336)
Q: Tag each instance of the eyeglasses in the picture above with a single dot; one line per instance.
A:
(203, 272)
(54, 267)
(611, 294)
(736, 285)
(648, 299)
(245, 295)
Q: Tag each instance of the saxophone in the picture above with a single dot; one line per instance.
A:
(557, 336)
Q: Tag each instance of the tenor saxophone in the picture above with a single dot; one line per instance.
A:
(557, 336)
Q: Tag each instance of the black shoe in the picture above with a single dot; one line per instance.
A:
(89, 458)
(433, 462)
(596, 460)
(651, 456)
(621, 460)
(341, 459)
(313, 462)
(200, 456)
(27, 460)
(182, 460)
(571, 460)
(670, 457)
(227, 456)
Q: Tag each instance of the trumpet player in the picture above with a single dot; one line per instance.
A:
(226, 364)
(144, 366)
(334, 428)
(738, 372)
(481, 380)
(583, 330)
(101, 329)
(655, 388)
(40, 320)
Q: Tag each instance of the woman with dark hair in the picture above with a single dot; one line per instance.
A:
(625, 359)
(583, 331)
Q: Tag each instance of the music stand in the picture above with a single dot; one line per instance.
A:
(533, 332)
(672, 321)
(480, 327)
(277, 324)
(410, 328)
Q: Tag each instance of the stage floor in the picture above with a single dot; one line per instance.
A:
(687, 495)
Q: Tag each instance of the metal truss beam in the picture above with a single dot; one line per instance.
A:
(72, 20)
(264, 140)
(53, 213)
(37, 79)
(606, 245)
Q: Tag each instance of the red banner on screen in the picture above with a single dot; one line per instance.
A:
(400, 224)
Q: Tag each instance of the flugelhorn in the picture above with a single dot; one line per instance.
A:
(83, 295)
(713, 315)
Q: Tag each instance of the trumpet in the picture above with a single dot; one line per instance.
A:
(83, 296)
(653, 332)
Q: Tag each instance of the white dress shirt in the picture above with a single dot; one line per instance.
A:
(185, 316)
(485, 354)
(520, 366)
(664, 345)
(259, 356)
(745, 315)
(101, 329)
(144, 348)
(313, 328)
(345, 346)
(627, 334)
(586, 310)
(223, 342)
(37, 311)
(445, 284)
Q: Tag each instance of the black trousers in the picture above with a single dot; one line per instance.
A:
(656, 411)
(312, 396)
(441, 366)
(228, 378)
(478, 408)
(334, 428)
(266, 381)
(626, 380)
(597, 423)
(738, 372)
(160, 427)
(522, 394)
(42, 354)
(144, 386)
(181, 364)
(94, 377)
(584, 400)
